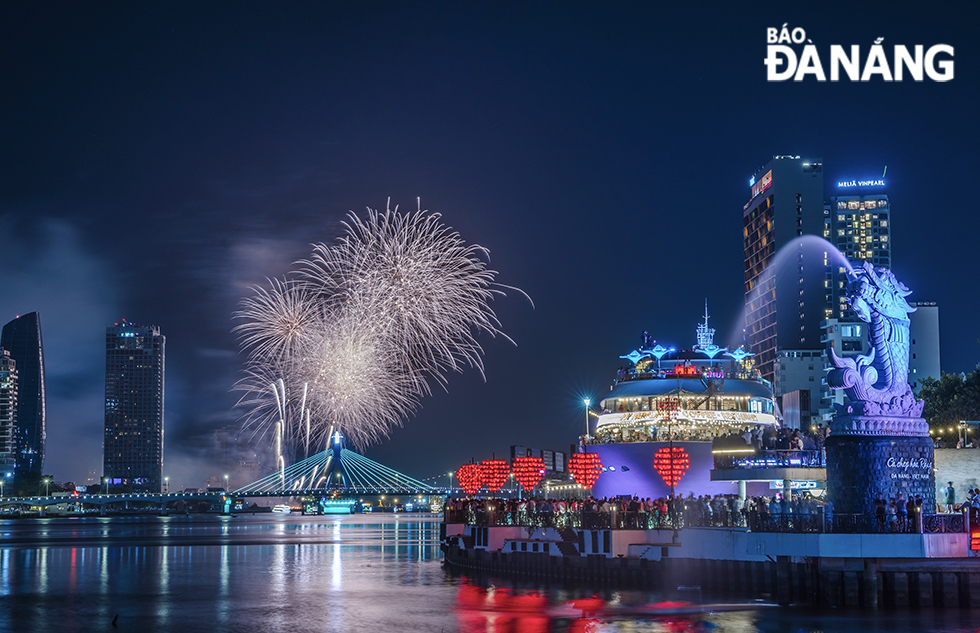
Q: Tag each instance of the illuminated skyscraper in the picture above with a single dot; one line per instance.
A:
(134, 373)
(783, 304)
(858, 222)
(8, 413)
(22, 339)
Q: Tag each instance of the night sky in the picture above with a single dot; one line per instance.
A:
(156, 159)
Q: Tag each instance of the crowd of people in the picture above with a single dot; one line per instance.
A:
(645, 513)
(770, 438)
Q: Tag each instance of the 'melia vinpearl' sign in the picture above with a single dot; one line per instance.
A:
(843, 184)
(782, 62)
(903, 466)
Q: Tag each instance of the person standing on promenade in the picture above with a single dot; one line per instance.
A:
(950, 493)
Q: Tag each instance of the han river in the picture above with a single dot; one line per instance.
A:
(374, 573)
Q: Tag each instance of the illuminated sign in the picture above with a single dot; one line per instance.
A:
(844, 184)
(903, 465)
(793, 485)
(762, 184)
(635, 418)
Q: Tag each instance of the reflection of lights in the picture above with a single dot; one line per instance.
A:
(336, 569)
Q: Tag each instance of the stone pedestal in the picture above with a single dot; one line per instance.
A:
(861, 465)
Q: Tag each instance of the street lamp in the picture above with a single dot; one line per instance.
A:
(47, 482)
(450, 473)
(226, 483)
(587, 401)
(166, 485)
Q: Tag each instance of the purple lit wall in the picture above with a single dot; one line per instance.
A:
(640, 478)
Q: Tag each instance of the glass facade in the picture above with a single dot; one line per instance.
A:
(134, 389)
(22, 339)
(780, 292)
(8, 413)
(860, 227)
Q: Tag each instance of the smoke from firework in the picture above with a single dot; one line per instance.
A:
(351, 339)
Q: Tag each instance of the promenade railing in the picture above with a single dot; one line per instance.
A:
(813, 522)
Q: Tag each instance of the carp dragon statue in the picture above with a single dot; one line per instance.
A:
(876, 384)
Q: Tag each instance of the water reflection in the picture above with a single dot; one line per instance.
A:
(301, 574)
(247, 574)
(492, 608)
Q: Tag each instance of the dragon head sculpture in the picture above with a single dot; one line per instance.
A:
(873, 290)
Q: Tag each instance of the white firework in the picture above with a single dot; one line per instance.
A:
(418, 281)
(354, 382)
(351, 339)
(274, 319)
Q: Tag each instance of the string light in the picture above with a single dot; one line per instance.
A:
(528, 471)
(585, 468)
(470, 478)
(494, 474)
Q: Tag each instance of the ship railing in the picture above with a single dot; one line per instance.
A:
(917, 523)
(769, 459)
(597, 520)
(805, 522)
(669, 373)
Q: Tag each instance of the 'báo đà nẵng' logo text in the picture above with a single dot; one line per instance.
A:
(784, 60)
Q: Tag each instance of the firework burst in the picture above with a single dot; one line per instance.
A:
(352, 339)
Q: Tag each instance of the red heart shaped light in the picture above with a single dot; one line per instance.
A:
(672, 470)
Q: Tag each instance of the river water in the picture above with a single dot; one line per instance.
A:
(378, 573)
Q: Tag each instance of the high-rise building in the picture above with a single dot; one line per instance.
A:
(22, 339)
(858, 222)
(846, 338)
(8, 413)
(134, 372)
(799, 372)
(784, 298)
(924, 342)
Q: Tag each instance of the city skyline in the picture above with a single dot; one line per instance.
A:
(157, 163)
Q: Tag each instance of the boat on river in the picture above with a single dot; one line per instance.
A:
(656, 425)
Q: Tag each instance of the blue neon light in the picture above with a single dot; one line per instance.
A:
(739, 354)
(633, 356)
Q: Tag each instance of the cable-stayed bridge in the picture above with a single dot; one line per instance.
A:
(336, 470)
